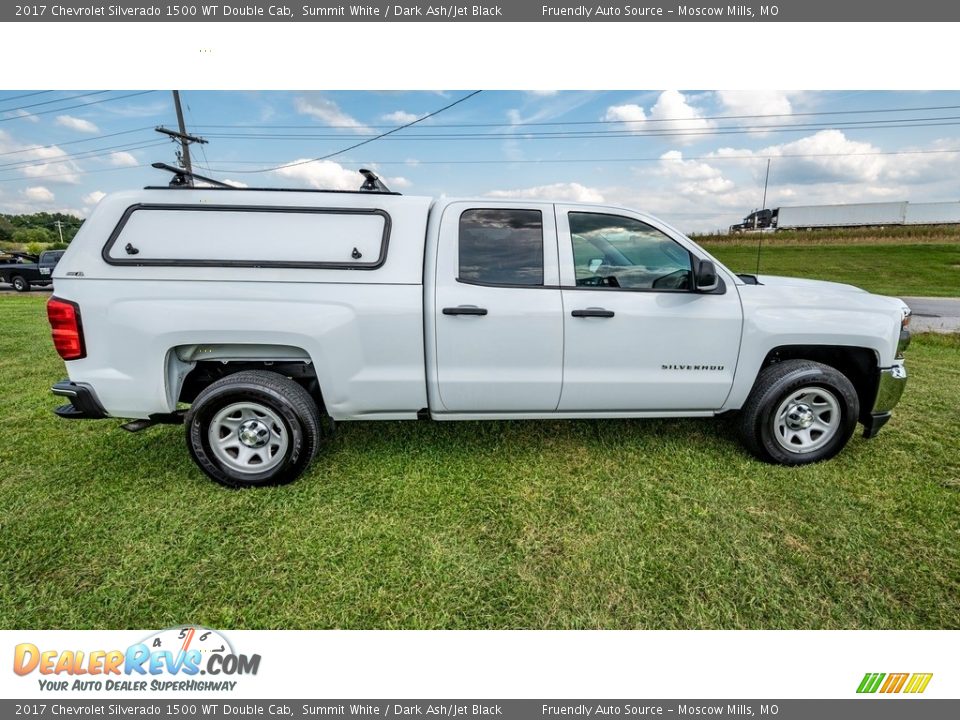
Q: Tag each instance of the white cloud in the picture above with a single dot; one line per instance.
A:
(625, 113)
(123, 159)
(399, 117)
(329, 175)
(327, 111)
(676, 113)
(75, 123)
(543, 93)
(323, 175)
(694, 177)
(24, 114)
(828, 156)
(92, 198)
(671, 113)
(756, 102)
(778, 104)
(235, 183)
(36, 161)
(571, 191)
(38, 194)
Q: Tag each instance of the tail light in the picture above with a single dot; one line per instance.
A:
(64, 317)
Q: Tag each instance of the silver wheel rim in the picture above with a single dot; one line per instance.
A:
(248, 437)
(806, 420)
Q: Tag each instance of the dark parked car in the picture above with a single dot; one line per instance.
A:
(27, 270)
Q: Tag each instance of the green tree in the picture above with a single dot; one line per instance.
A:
(6, 229)
(33, 235)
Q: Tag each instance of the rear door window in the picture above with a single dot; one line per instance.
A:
(501, 246)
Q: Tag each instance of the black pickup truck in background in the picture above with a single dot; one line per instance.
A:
(25, 270)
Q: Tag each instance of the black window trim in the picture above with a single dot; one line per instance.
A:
(543, 251)
(180, 262)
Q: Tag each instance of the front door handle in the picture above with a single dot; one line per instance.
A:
(465, 310)
(593, 312)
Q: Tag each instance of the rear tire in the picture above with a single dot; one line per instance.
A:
(252, 429)
(799, 412)
(20, 283)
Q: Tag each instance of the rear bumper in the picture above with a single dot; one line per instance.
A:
(892, 382)
(83, 404)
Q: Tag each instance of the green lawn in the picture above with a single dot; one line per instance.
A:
(498, 525)
(889, 269)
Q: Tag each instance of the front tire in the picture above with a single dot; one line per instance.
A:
(252, 429)
(799, 412)
(20, 283)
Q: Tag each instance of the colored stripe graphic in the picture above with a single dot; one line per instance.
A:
(870, 682)
(918, 682)
(894, 682)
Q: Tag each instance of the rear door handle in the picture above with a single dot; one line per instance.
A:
(593, 312)
(465, 310)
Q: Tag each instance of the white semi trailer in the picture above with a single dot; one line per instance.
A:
(812, 216)
(850, 215)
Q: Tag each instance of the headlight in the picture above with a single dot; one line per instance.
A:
(904, 342)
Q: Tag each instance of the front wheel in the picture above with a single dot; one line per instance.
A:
(20, 283)
(253, 428)
(799, 412)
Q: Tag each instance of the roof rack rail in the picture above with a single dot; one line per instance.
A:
(183, 179)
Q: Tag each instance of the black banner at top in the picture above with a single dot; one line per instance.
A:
(483, 11)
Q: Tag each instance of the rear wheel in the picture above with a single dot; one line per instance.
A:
(799, 412)
(20, 283)
(253, 428)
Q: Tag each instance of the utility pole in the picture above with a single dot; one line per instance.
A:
(185, 144)
(765, 181)
(184, 138)
(59, 224)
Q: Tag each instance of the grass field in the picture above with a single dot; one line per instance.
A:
(917, 269)
(619, 524)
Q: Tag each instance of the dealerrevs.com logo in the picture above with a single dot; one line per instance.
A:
(172, 659)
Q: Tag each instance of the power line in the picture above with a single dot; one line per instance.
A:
(367, 141)
(84, 155)
(73, 107)
(69, 174)
(612, 122)
(51, 102)
(609, 134)
(74, 142)
(25, 95)
(414, 163)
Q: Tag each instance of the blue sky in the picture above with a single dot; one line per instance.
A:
(695, 158)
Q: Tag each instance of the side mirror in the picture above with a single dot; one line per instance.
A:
(705, 276)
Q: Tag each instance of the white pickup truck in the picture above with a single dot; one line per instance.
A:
(258, 317)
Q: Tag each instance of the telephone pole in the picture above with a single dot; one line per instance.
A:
(59, 224)
(184, 138)
(765, 181)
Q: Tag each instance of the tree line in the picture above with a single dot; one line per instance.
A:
(38, 228)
